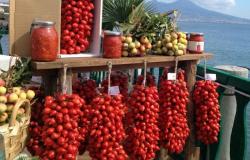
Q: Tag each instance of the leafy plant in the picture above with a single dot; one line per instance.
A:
(126, 12)
(24, 157)
(154, 26)
(18, 74)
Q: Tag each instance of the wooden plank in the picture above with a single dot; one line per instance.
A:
(102, 62)
(164, 155)
(191, 151)
(121, 67)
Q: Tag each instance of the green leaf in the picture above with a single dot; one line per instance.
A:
(27, 158)
(118, 11)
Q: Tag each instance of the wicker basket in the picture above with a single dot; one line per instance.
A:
(13, 135)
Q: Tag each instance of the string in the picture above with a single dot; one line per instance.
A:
(145, 73)
(205, 68)
(176, 67)
(109, 75)
(64, 87)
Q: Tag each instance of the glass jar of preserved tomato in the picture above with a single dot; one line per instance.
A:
(196, 43)
(112, 44)
(44, 41)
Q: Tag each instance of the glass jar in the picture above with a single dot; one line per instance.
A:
(196, 43)
(112, 44)
(44, 41)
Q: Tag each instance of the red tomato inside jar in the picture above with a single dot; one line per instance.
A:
(196, 43)
(112, 44)
(44, 41)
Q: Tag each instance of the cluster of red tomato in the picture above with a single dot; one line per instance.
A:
(84, 125)
(150, 80)
(67, 126)
(86, 89)
(106, 130)
(76, 25)
(60, 132)
(173, 114)
(35, 144)
(142, 119)
(117, 79)
(207, 111)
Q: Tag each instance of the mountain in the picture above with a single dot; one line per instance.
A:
(194, 13)
(4, 1)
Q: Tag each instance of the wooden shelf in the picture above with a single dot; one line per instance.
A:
(98, 63)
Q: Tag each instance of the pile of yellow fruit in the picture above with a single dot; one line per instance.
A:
(8, 99)
(133, 48)
(173, 44)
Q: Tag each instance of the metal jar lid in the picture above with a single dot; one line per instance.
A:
(112, 33)
(43, 23)
(196, 34)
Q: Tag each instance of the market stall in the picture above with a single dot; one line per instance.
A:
(52, 69)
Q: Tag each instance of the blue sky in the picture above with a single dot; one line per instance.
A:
(239, 8)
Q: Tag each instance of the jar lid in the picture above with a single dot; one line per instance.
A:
(43, 23)
(112, 33)
(197, 34)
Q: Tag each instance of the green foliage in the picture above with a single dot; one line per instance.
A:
(18, 74)
(19, 117)
(154, 26)
(27, 158)
(127, 12)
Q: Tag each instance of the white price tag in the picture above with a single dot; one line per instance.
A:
(211, 77)
(36, 79)
(172, 76)
(113, 91)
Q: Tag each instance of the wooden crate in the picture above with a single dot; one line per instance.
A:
(23, 12)
(95, 43)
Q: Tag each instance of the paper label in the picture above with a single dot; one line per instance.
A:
(36, 79)
(196, 46)
(113, 91)
(172, 76)
(211, 77)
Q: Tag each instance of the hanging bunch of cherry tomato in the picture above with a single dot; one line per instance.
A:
(117, 79)
(34, 143)
(142, 122)
(207, 111)
(84, 125)
(76, 25)
(86, 89)
(106, 129)
(60, 133)
(173, 114)
(150, 80)
(164, 75)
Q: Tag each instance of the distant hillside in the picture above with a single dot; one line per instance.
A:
(194, 13)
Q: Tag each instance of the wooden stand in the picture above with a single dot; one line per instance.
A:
(75, 65)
